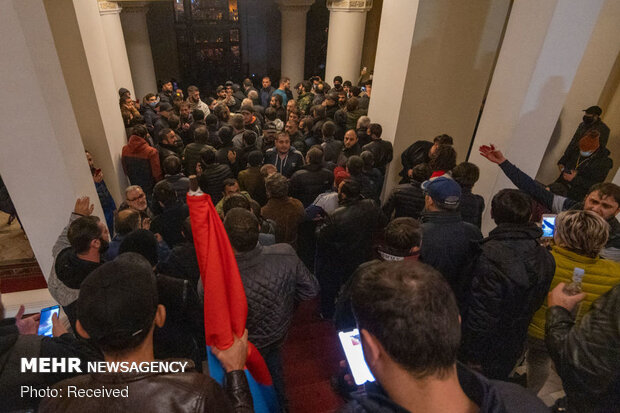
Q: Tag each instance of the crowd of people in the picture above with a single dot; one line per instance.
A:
(446, 316)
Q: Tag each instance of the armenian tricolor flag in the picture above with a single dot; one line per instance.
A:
(226, 307)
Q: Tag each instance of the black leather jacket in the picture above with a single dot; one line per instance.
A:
(155, 392)
(587, 356)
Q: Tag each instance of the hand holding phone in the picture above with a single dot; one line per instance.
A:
(548, 225)
(352, 345)
(45, 322)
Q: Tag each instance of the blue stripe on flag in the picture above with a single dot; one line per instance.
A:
(264, 396)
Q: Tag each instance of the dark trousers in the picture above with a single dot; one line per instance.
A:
(272, 355)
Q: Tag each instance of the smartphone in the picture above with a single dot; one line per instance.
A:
(363, 88)
(548, 225)
(352, 345)
(45, 322)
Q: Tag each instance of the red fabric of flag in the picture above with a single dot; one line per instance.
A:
(225, 304)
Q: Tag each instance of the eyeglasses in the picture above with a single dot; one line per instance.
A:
(142, 195)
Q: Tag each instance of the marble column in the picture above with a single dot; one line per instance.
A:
(42, 161)
(347, 21)
(111, 21)
(133, 19)
(294, 38)
(542, 49)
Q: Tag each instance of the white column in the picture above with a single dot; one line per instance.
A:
(294, 37)
(133, 19)
(80, 41)
(42, 160)
(433, 64)
(542, 49)
(347, 20)
(111, 21)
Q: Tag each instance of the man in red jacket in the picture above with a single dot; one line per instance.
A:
(141, 161)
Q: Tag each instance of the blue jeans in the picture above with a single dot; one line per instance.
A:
(272, 355)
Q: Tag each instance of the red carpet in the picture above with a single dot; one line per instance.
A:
(21, 276)
(311, 356)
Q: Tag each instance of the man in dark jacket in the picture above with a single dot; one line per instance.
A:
(173, 175)
(355, 168)
(211, 179)
(351, 147)
(265, 92)
(344, 241)
(310, 181)
(382, 150)
(450, 245)
(182, 261)
(408, 199)
(284, 157)
(148, 111)
(251, 180)
(193, 152)
(472, 205)
(420, 152)
(591, 122)
(173, 214)
(585, 168)
(165, 111)
(603, 199)
(509, 283)
(586, 356)
(393, 303)
(141, 161)
(331, 147)
(120, 300)
(274, 278)
(169, 145)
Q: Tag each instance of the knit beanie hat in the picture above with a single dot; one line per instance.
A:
(589, 142)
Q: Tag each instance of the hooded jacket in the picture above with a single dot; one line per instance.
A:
(141, 164)
(510, 281)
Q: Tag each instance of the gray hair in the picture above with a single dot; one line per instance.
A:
(583, 232)
(363, 122)
(131, 188)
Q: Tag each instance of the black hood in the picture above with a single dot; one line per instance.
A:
(72, 270)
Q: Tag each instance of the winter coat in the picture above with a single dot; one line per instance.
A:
(510, 281)
(600, 276)
(331, 149)
(310, 181)
(450, 246)
(192, 155)
(180, 184)
(383, 152)
(170, 222)
(274, 278)
(287, 213)
(587, 356)
(471, 207)
(141, 164)
(591, 170)
(252, 181)
(415, 154)
(211, 180)
(293, 161)
(406, 199)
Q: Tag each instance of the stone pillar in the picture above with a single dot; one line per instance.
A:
(42, 160)
(347, 20)
(432, 68)
(133, 19)
(294, 37)
(543, 46)
(80, 41)
(111, 21)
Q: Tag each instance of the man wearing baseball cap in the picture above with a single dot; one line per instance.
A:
(118, 310)
(591, 122)
(450, 244)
